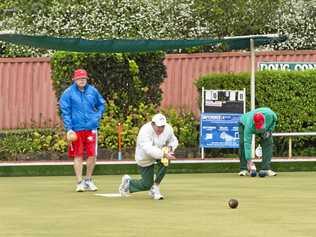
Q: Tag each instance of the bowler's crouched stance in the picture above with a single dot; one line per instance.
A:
(260, 122)
(155, 145)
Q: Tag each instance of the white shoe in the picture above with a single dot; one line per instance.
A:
(243, 173)
(124, 186)
(81, 187)
(155, 193)
(151, 192)
(271, 173)
(90, 186)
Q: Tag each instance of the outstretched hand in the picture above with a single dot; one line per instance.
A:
(168, 153)
(251, 165)
(167, 156)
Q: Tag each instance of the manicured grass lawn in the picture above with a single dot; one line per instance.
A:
(195, 205)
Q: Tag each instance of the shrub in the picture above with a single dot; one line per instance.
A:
(285, 92)
(126, 79)
(17, 142)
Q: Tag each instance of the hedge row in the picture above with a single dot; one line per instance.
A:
(116, 169)
(290, 94)
(127, 79)
(131, 85)
(37, 144)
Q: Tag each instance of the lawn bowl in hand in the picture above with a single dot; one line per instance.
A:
(71, 136)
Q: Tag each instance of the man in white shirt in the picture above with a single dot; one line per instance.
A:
(155, 144)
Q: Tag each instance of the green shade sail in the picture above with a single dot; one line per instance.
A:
(129, 45)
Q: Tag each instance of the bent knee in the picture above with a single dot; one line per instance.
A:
(148, 185)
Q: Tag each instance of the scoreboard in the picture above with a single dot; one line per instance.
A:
(224, 101)
(221, 111)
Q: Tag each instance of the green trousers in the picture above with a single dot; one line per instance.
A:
(267, 147)
(147, 177)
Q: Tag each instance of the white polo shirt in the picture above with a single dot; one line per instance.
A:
(149, 145)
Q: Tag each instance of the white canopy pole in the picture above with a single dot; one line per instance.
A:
(252, 89)
(202, 108)
(251, 36)
(253, 77)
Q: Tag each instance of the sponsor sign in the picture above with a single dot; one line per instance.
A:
(288, 66)
(219, 130)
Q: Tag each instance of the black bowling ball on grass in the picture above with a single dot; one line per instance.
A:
(262, 173)
(233, 203)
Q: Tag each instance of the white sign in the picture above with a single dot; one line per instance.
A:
(288, 66)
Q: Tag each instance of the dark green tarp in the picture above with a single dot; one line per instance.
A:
(121, 45)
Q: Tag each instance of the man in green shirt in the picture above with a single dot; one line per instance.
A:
(260, 122)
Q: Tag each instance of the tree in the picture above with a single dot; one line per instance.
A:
(161, 19)
(237, 17)
(96, 19)
(297, 20)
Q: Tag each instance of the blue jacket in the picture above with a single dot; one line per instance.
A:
(81, 110)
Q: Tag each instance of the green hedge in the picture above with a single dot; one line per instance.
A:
(131, 85)
(116, 169)
(28, 141)
(184, 124)
(127, 79)
(290, 94)
(50, 144)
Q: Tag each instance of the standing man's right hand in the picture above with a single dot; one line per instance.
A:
(251, 166)
(71, 136)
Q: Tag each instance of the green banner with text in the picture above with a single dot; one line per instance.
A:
(289, 66)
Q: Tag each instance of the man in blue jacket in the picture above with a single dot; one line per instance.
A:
(82, 107)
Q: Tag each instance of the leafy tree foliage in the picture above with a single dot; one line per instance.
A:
(160, 19)
(297, 20)
(237, 17)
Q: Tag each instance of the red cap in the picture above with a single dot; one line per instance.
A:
(80, 73)
(258, 119)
